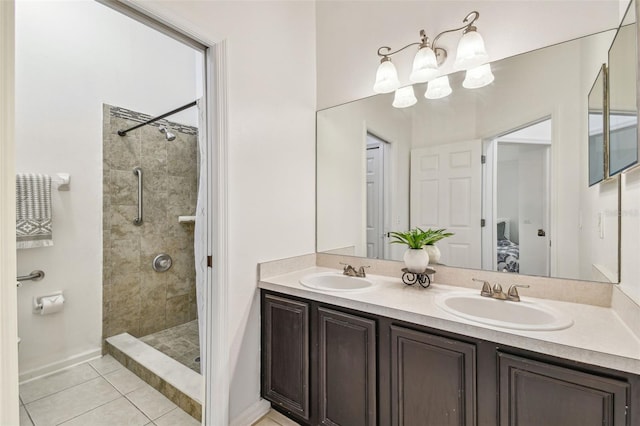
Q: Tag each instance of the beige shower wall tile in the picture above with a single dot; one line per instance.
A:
(179, 287)
(183, 268)
(121, 221)
(179, 235)
(123, 288)
(153, 302)
(122, 152)
(124, 186)
(177, 310)
(153, 150)
(182, 192)
(155, 206)
(122, 321)
(182, 156)
(151, 245)
(155, 181)
(125, 255)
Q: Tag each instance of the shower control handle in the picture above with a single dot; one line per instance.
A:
(138, 220)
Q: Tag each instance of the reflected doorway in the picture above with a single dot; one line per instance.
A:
(375, 196)
(517, 200)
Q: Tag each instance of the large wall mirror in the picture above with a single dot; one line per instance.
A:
(504, 167)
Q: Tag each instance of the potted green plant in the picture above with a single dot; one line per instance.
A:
(432, 237)
(416, 258)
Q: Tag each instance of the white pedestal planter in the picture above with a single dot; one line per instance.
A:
(416, 260)
(434, 253)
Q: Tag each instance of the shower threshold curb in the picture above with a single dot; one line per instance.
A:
(183, 386)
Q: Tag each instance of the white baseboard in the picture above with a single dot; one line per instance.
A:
(54, 367)
(252, 414)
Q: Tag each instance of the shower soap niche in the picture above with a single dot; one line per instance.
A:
(186, 219)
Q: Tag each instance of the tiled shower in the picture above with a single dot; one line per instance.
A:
(136, 299)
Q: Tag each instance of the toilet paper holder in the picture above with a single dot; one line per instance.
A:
(37, 301)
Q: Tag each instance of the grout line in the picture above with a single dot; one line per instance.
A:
(29, 415)
(95, 408)
(64, 389)
(134, 404)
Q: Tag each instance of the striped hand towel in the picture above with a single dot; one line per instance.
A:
(33, 211)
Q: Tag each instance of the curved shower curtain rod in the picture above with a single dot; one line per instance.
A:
(182, 108)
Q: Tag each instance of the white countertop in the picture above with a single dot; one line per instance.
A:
(598, 336)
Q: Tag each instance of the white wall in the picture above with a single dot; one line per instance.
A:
(341, 171)
(350, 33)
(271, 71)
(70, 58)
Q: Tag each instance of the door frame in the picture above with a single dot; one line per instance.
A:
(215, 364)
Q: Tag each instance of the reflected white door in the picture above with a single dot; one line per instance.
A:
(533, 207)
(446, 187)
(375, 198)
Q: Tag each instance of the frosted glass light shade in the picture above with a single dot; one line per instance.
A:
(438, 88)
(471, 51)
(386, 78)
(478, 77)
(425, 66)
(405, 97)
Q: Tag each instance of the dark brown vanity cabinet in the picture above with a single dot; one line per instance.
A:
(326, 365)
(346, 369)
(433, 380)
(285, 363)
(534, 393)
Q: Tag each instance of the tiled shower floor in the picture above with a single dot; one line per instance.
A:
(181, 343)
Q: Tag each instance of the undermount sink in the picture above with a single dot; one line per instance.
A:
(335, 281)
(523, 315)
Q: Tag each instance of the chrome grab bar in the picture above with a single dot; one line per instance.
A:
(138, 220)
(33, 276)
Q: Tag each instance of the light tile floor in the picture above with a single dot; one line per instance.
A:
(97, 393)
(273, 418)
(181, 343)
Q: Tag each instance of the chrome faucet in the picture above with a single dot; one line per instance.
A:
(351, 271)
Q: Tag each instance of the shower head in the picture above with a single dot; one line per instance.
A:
(170, 136)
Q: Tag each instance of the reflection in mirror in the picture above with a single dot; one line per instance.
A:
(596, 129)
(529, 126)
(623, 112)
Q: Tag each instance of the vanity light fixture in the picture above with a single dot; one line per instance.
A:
(404, 97)
(471, 56)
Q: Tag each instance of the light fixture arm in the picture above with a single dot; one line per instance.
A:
(390, 53)
(468, 26)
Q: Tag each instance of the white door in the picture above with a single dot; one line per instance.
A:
(534, 207)
(375, 198)
(446, 187)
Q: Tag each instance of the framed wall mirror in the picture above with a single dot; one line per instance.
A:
(503, 167)
(623, 111)
(597, 129)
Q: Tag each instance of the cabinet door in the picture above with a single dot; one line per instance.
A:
(534, 393)
(286, 354)
(433, 380)
(347, 369)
